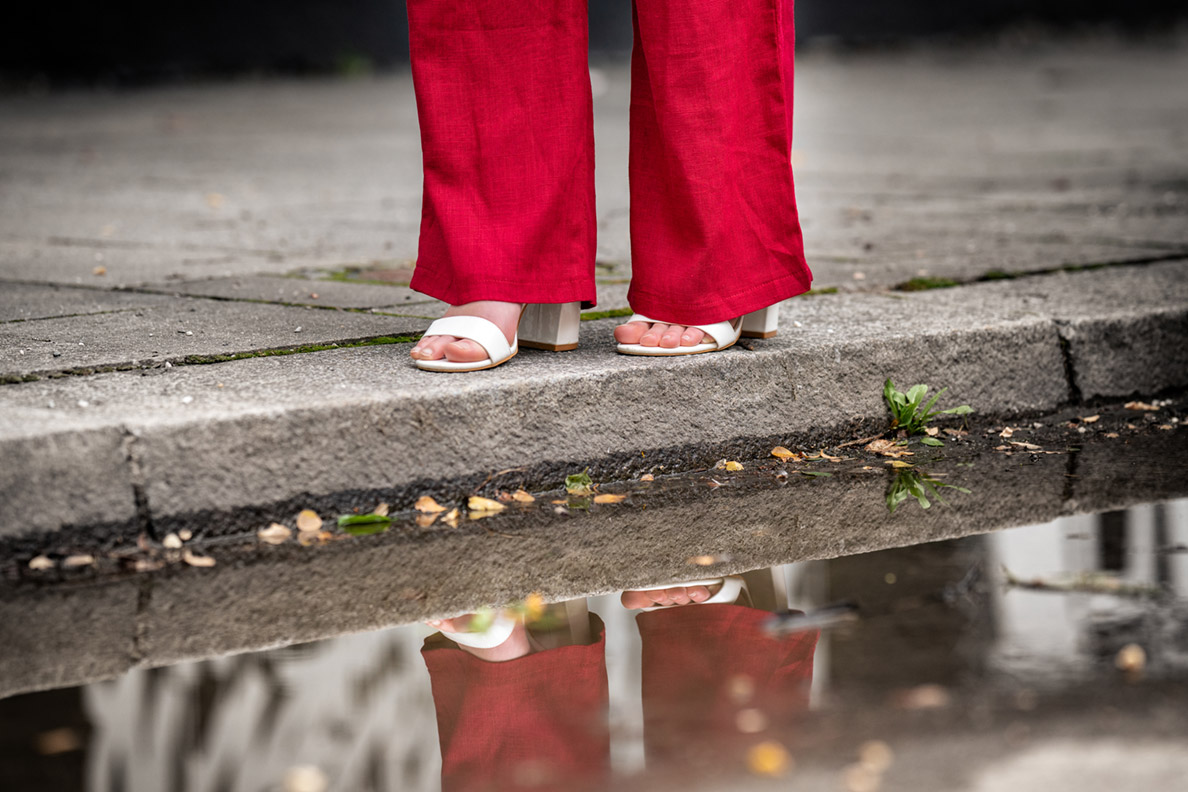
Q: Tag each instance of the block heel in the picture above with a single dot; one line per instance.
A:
(764, 323)
(552, 327)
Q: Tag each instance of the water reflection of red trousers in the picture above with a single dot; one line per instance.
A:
(504, 102)
(540, 721)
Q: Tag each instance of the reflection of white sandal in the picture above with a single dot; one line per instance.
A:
(497, 632)
(763, 323)
(733, 587)
(553, 327)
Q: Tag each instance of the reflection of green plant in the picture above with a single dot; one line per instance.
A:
(910, 482)
(579, 483)
(909, 413)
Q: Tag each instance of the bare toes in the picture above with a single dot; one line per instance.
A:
(630, 333)
(653, 335)
(692, 336)
(464, 351)
(672, 337)
(430, 348)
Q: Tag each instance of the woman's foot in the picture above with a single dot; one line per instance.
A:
(518, 644)
(673, 595)
(669, 336)
(505, 315)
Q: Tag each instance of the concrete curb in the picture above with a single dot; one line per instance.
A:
(190, 446)
(81, 628)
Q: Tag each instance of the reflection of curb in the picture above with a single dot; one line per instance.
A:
(331, 428)
(71, 633)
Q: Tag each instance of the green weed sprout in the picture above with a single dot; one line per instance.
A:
(911, 414)
(913, 483)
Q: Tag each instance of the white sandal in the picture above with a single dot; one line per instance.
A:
(497, 632)
(553, 327)
(732, 588)
(763, 323)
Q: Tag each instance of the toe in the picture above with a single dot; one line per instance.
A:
(672, 337)
(630, 333)
(634, 600)
(430, 348)
(692, 336)
(464, 351)
(679, 595)
(653, 335)
(698, 593)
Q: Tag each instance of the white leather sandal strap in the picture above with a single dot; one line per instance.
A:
(499, 631)
(721, 332)
(482, 331)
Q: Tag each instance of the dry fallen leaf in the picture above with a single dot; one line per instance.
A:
(477, 503)
(147, 565)
(1111, 435)
(274, 534)
(931, 431)
(647, 477)
(185, 534)
(1090, 419)
(99, 271)
(887, 448)
(956, 432)
(898, 463)
(426, 505)
(1131, 659)
(1165, 427)
(82, 559)
(196, 560)
(41, 562)
(308, 520)
(451, 519)
(426, 520)
(1138, 405)
(520, 496)
(1006, 432)
(1028, 446)
(381, 510)
(768, 758)
(733, 466)
(172, 541)
(782, 453)
(607, 497)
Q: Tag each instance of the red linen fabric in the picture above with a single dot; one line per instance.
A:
(539, 721)
(503, 97)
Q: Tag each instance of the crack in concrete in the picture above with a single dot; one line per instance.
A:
(1075, 396)
(129, 442)
(202, 360)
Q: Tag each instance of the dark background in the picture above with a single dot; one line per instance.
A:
(128, 41)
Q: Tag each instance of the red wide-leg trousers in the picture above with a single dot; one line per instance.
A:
(506, 115)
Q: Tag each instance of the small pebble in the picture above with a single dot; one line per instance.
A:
(187, 399)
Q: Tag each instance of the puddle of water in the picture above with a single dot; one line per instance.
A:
(1052, 656)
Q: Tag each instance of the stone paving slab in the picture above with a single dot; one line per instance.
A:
(263, 431)
(180, 327)
(23, 302)
(302, 291)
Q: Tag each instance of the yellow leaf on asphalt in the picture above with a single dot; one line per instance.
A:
(381, 510)
(769, 759)
(647, 477)
(520, 496)
(887, 448)
(274, 534)
(931, 431)
(82, 559)
(308, 520)
(1028, 446)
(1006, 432)
(196, 560)
(534, 606)
(607, 497)
(782, 453)
(733, 466)
(478, 503)
(41, 562)
(451, 519)
(425, 520)
(1090, 419)
(426, 505)
(172, 541)
(898, 463)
